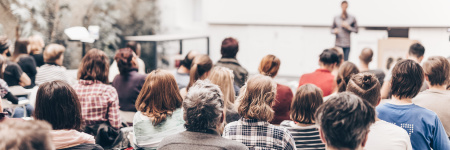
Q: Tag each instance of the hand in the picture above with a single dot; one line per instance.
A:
(346, 25)
(335, 31)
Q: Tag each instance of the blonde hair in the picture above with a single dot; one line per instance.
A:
(53, 52)
(257, 98)
(36, 44)
(224, 78)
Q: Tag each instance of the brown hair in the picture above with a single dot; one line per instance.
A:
(229, 48)
(340, 54)
(159, 96)
(124, 59)
(269, 65)
(201, 65)
(53, 52)
(29, 135)
(437, 69)
(256, 101)
(407, 79)
(135, 46)
(20, 49)
(305, 103)
(366, 55)
(346, 71)
(2, 63)
(94, 66)
(366, 86)
(36, 44)
(224, 78)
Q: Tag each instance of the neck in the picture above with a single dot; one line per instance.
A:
(398, 101)
(438, 87)
(414, 59)
(363, 67)
(327, 67)
(183, 69)
(303, 124)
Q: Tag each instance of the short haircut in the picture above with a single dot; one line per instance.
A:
(58, 103)
(257, 98)
(366, 55)
(159, 96)
(437, 69)
(269, 65)
(366, 86)
(346, 71)
(20, 48)
(203, 106)
(187, 61)
(29, 135)
(5, 43)
(416, 50)
(345, 120)
(94, 66)
(36, 44)
(201, 65)
(407, 79)
(123, 58)
(53, 52)
(229, 48)
(305, 103)
(328, 57)
(344, 2)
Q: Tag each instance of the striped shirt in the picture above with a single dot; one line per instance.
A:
(307, 137)
(50, 72)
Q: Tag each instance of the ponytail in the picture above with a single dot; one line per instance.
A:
(194, 75)
(201, 65)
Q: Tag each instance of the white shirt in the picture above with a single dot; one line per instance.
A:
(386, 136)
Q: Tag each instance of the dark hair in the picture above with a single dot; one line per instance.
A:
(58, 103)
(407, 79)
(366, 55)
(94, 66)
(5, 43)
(346, 71)
(345, 120)
(200, 65)
(305, 103)
(340, 53)
(20, 48)
(135, 46)
(187, 61)
(269, 65)
(2, 63)
(437, 69)
(366, 86)
(124, 59)
(329, 57)
(230, 47)
(416, 50)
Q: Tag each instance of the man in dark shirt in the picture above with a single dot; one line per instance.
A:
(343, 25)
(13, 74)
(229, 49)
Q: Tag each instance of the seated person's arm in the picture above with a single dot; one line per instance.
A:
(10, 97)
(25, 80)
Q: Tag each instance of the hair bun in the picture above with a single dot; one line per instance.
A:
(367, 80)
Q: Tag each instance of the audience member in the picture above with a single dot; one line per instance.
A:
(269, 66)
(58, 104)
(114, 69)
(182, 73)
(36, 46)
(382, 135)
(204, 110)
(229, 50)
(340, 53)
(99, 101)
(437, 98)
(29, 135)
(253, 129)
(423, 125)
(53, 68)
(322, 77)
(159, 109)
(129, 82)
(344, 121)
(201, 66)
(13, 74)
(364, 60)
(302, 127)
(224, 78)
(24, 60)
(346, 71)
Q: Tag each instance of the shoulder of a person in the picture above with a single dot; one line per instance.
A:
(286, 123)
(230, 144)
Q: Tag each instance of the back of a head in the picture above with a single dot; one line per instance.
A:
(203, 106)
(417, 50)
(187, 61)
(57, 103)
(366, 86)
(305, 103)
(366, 55)
(124, 59)
(94, 66)
(159, 96)
(269, 65)
(53, 52)
(407, 79)
(344, 120)
(329, 57)
(36, 44)
(5, 43)
(340, 54)
(224, 78)
(20, 48)
(437, 69)
(256, 101)
(29, 135)
(229, 48)
(201, 65)
(134, 46)
(346, 71)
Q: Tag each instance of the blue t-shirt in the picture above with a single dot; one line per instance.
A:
(423, 126)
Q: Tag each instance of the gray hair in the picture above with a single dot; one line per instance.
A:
(203, 106)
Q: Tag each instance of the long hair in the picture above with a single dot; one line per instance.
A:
(124, 59)
(346, 71)
(159, 96)
(305, 103)
(269, 65)
(201, 65)
(256, 101)
(94, 66)
(224, 78)
(20, 49)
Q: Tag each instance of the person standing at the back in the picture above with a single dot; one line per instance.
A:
(343, 25)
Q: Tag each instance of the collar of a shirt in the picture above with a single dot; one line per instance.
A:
(88, 82)
(323, 70)
(229, 60)
(253, 122)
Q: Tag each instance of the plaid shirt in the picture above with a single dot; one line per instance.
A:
(99, 102)
(259, 134)
(3, 88)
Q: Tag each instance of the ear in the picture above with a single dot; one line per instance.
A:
(134, 61)
(363, 144)
(379, 101)
(322, 137)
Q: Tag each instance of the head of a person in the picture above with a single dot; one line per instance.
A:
(407, 79)
(366, 55)
(305, 103)
(257, 99)
(5, 44)
(126, 60)
(36, 44)
(187, 61)
(229, 48)
(224, 78)
(29, 135)
(344, 5)
(203, 107)
(329, 59)
(437, 71)
(416, 52)
(54, 53)
(20, 48)
(94, 66)
(200, 68)
(366, 86)
(346, 71)
(340, 53)
(269, 65)
(58, 103)
(135, 46)
(344, 121)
